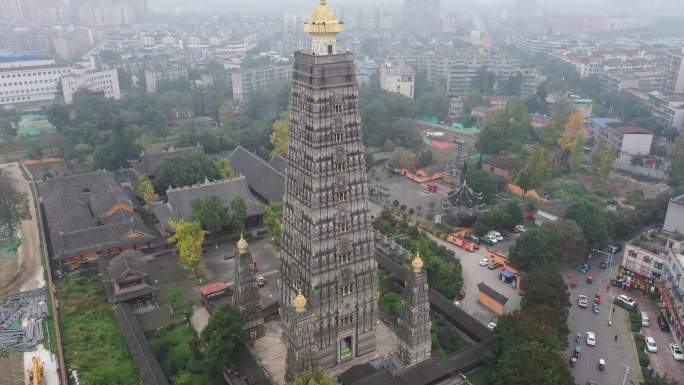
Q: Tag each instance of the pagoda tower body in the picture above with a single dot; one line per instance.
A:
(246, 297)
(327, 246)
(415, 341)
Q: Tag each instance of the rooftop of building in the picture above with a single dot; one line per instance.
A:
(654, 241)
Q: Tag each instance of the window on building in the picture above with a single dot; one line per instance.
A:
(337, 109)
(632, 253)
(341, 196)
(344, 227)
(346, 290)
(346, 321)
(339, 137)
(341, 166)
(344, 258)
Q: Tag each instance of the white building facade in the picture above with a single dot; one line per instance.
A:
(104, 82)
(30, 83)
(399, 78)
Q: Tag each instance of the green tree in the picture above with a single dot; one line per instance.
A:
(593, 220)
(225, 168)
(546, 295)
(676, 158)
(14, 207)
(118, 149)
(520, 327)
(225, 115)
(189, 238)
(189, 378)
(370, 162)
(185, 171)
(58, 115)
(483, 183)
(505, 130)
(571, 240)
(177, 303)
(602, 159)
(537, 247)
(424, 159)
(238, 210)
(537, 169)
(313, 377)
(220, 336)
(274, 221)
(211, 213)
(531, 363)
(433, 103)
(279, 138)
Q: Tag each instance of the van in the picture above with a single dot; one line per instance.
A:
(644, 319)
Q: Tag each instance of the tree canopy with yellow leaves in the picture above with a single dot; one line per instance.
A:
(313, 377)
(279, 137)
(189, 238)
(145, 190)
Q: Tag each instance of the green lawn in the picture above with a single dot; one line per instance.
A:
(93, 343)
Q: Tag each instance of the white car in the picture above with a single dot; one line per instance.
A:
(582, 301)
(497, 235)
(591, 338)
(651, 345)
(492, 238)
(676, 352)
(520, 228)
(491, 325)
(626, 300)
(457, 303)
(484, 262)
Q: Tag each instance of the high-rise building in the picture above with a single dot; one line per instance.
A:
(674, 71)
(398, 77)
(327, 258)
(421, 15)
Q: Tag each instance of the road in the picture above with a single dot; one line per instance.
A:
(617, 353)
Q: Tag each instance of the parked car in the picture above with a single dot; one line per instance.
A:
(591, 338)
(603, 265)
(491, 325)
(644, 319)
(474, 239)
(626, 300)
(519, 229)
(493, 266)
(487, 241)
(662, 323)
(484, 262)
(651, 346)
(497, 235)
(676, 351)
(261, 281)
(584, 268)
(457, 303)
(506, 235)
(582, 301)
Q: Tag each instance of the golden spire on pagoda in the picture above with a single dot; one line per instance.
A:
(417, 263)
(323, 21)
(242, 245)
(300, 302)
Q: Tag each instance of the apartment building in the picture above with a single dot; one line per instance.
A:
(643, 261)
(674, 73)
(103, 82)
(28, 82)
(628, 140)
(538, 45)
(620, 80)
(674, 219)
(248, 80)
(398, 77)
(164, 71)
(668, 109)
(461, 73)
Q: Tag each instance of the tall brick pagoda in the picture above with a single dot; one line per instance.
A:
(327, 246)
(246, 294)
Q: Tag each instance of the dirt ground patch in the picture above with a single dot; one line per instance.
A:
(617, 185)
(9, 267)
(29, 263)
(12, 369)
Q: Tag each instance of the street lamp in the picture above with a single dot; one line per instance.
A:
(626, 371)
(610, 312)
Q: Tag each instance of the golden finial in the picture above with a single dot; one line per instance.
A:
(300, 302)
(323, 21)
(242, 245)
(417, 263)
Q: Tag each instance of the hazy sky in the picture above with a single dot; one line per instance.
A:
(612, 7)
